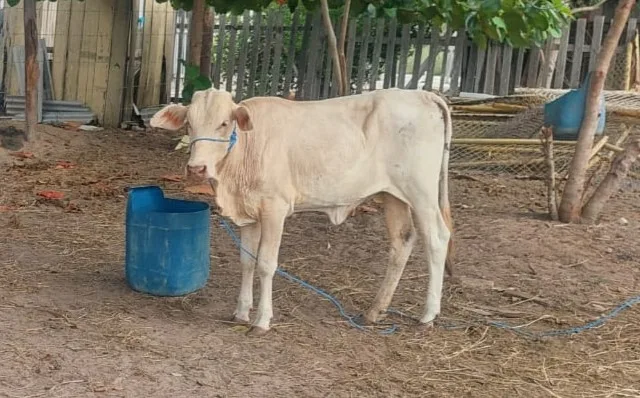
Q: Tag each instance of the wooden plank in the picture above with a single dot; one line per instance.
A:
(169, 51)
(364, 50)
(72, 72)
(479, 67)
(519, 67)
(325, 58)
(445, 56)
(389, 56)
(117, 63)
(291, 52)
(314, 48)
(97, 97)
(377, 50)
(255, 51)
(596, 40)
(149, 91)
(545, 67)
(576, 64)
(434, 49)
(60, 47)
(632, 24)
(14, 26)
(304, 54)
(490, 74)
(134, 38)
(231, 52)
(558, 81)
(266, 58)
(88, 52)
(316, 72)
(471, 59)
(277, 53)
(533, 67)
(222, 33)
(417, 57)
(181, 47)
(404, 53)
(147, 27)
(244, 51)
(505, 70)
(461, 39)
(351, 48)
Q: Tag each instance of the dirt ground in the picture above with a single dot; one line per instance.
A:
(71, 327)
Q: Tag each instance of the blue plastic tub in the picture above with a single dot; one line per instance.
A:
(566, 112)
(167, 243)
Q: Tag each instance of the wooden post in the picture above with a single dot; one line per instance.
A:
(195, 32)
(207, 42)
(546, 136)
(32, 72)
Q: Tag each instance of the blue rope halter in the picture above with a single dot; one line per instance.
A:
(233, 138)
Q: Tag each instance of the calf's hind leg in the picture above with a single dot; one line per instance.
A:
(250, 237)
(402, 236)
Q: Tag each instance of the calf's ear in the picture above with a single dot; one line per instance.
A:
(241, 116)
(171, 117)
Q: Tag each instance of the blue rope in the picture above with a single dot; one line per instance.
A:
(232, 139)
(451, 326)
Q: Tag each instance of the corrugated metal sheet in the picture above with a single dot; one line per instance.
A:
(52, 110)
(147, 113)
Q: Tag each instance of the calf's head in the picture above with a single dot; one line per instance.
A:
(211, 119)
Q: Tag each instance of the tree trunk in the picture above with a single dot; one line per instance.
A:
(571, 205)
(32, 71)
(207, 42)
(333, 46)
(195, 32)
(611, 183)
(547, 148)
(346, 86)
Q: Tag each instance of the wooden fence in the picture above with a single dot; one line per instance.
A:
(275, 52)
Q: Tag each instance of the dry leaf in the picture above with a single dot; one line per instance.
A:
(52, 195)
(171, 177)
(4, 209)
(22, 155)
(203, 189)
(63, 164)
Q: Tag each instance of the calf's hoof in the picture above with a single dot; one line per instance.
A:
(257, 331)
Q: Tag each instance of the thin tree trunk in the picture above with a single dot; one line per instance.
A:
(571, 205)
(333, 46)
(341, 46)
(195, 32)
(611, 183)
(547, 147)
(32, 70)
(207, 42)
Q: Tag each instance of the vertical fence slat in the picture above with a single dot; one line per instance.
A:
(596, 40)
(546, 66)
(266, 58)
(59, 47)
(222, 33)
(256, 45)
(169, 51)
(417, 57)
(325, 59)
(576, 63)
(304, 54)
(558, 81)
(364, 50)
(244, 50)
(180, 28)
(445, 57)
(404, 53)
(231, 53)
(519, 67)
(470, 67)
(377, 50)
(97, 97)
(351, 48)
(277, 54)
(533, 67)
(315, 39)
(461, 40)
(117, 61)
(434, 49)
(391, 45)
(505, 70)
(490, 74)
(317, 68)
(88, 44)
(480, 60)
(291, 53)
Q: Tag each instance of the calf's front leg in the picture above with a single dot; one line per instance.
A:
(272, 226)
(250, 238)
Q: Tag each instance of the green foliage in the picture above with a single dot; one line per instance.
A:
(517, 22)
(193, 81)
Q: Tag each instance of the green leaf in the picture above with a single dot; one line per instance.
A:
(499, 22)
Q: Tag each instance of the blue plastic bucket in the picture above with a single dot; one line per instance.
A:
(565, 113)
(167, 243)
